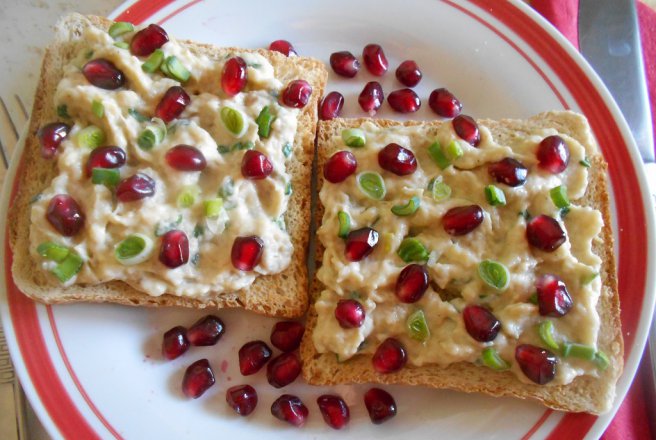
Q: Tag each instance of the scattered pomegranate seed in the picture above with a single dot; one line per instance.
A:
(396, 159)
(553, 297)
(197, 379)
(51, 136)
(408, 73)
(371, 98)
(283, 370)
(508, 171)
(252, 357)
(404, 101)
(206, 331)
(334, 410)
(380, 405)
(255, 165)
(545, 233)
(467, 129)
(246, 252)
(103, 74)
(480, 323)
(147, 40)
(242, 398)
(286, 335)
(349, 313)
(135, 187)
(174, 250)
(411, 283)
(105, 157)
(462, 219)
(340, 166)
(374, 59)
(360, 243)
(65, 215)
(296, 94)
(390, 356)
(234, 76)
(172, 104)
(344, 63)
(553, 154)
(290, 409)
(444, 103)
(185, 158)
(175, 343)
(284, 47)
(538, 364)
(331, 106)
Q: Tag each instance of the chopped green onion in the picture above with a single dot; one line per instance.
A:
(587, 279)
(136, 115)
(91, 137)
(162, 228)
(412, 249)
(199, 230)
(223, 149)
(213, 207)
(121, 45)
(417, 326)
(228, 188)
(344, 224)
(436, 153)
(439, 190)
(152, 135)
(164, 69)
(264, 121)
(195, 259)
(97, 108)
(233, 121)
(533, 299)
(372, 185)
(288, 189)
(68, 267)
(525, 214)
(53, 251)
(601, 360)
(135, 249)
(88, 54)
(495, 196)
(559, 196)
(545, 330)
(581, 351)
(287, 149)
(110, 177)
(491, 359)
(174, 69)
(354, 137)
(187, 197)
(494, 274)
(153, 62)
(453, 151)
(408, 209)
(119, 28)
(62, 111)
(563, 212)
(585, 162)
(248, 145)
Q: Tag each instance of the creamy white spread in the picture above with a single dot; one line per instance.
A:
(453, 263)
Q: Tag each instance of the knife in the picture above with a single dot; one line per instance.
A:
(12, 425)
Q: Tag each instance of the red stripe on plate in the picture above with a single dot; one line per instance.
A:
(537, 424)
(177, 11)
(142, 10)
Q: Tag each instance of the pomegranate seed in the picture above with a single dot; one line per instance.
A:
(234, 76)
(553, 154)
(296, 94)
(287, 335)
(206, 331)
(371, 98)
(51, 136)
(331, 106)
(340, 165)
(197, 379)
(444, 103)
(334, 410)
(174, 250)
(284, 47)
(246, 252)
(349, 313)
(553, 297)
(186, 158)
(411, 283)
(509, 171)
(538, 364)
(147, 40)
(360, 243)
(344, 63)
(252, 357)
(103, 74)
(172, 104)
(380, 405)
(105, 157)
(480, 323)
(462, 219)
(175, 343)
(283, 370)
(390, 356)
(467, 129)
(374, 59)
(398, 160)
(545, 233)
(290, 409)
(65, 215)
(135, 187)
(242, 398)
(404, 101)
(255, 165)
(408, 73)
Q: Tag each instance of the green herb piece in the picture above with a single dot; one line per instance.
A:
(288, 189)
(585, 162)
(563, 212)
(491, 359)
(121, 45)
(233, 121)
(62, 111)
(354, 137)
(453, 151)
(601, 360)
(559, 196)
(110, 177)
(344, 221)
(545, 330)
(187, 197)
(287, 149)
(439, 190)
(417, 326)
(136, 115)
(119, 28)
(195, 259)
(436, 153)
(372, 185)
(495, 195)
(213, 207)
(407, 209)
(68, 267)
(264, 121)
(223, 149)
(239, 146)
(533, 299)
(199, 231)
(494, 274)
(153, 62)
(411, 250)
(97, 108)
(88, 54)
(53, 251)
(91, 137)
(587, 279)
(228, 188)
(525, 214)
(175, 70)
(163, 228)
(135, 249)
(580, 351)
(152, 135)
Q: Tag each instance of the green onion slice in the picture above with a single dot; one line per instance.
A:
(581, 351)
(601, 360)
(135, 249)
(453, 150)
(559, 196)
(110, 177)
(153, 62)
(587, 279)
(494, 274)
(372, 185)
(408, 209)
(68, 267)
(417, 326)
(213, 207)
(228, 188)
(439, 190)
(412, 249)
(121, 45)
(533, 299)
(545, 330)
(288, 189)
(119, 28)
(287, 149)
(491, 359)
(354, 137)
(174, 69)
(344, 224)
(62, 111)
(97, 108)
(152, 135)
(585, 163)
(264, 121)
(91, 137)
(53, 251)
(233, 121)
(438, 156)
(136, 115)
(187, 197)
(495, 195)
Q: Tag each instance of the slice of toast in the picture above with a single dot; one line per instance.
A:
(585, 393)
(282, 294)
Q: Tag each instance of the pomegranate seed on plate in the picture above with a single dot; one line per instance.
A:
(398, 160)
(185, 158)
(349, 313)
(340, 166)
(65, 215)
(467, 129)
(444, 103)
(234, 76)
(411, 283)
(246, 252)
(360, 243)
(137, 187)
(286, 335)
(334, 410)
(252, 357)
(371, 98)
(206, 331)
(147, 40)
(404, 101)
(344, 63)
(175, 343)
(408, 73)
(296, 94)
(553, 154)
(331, 106)
(374, 59)
(255, 165)
(462, 220)
(380, 405)
(174, 250)
(103, 74)
(508, 171)
(242, 398)
(538, 364)
(172, 104)
(283, 370)
(105, 157)
(290, 409)
(553, 297)
(480, 323)
(545, 233)
(390, 356)
(197, 379)
(284, 47)
(51, 136)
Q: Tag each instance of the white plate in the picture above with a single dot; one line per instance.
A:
(95, 370)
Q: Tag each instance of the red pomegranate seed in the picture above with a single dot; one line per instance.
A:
(234, 76)
(255, 165)
(408, 73)
(360, 243)
(135, 187)
(296, 94)
(65, 215)
(380, 405)
(404, 101)
(284, 47)
(374, 59)
(467, 129)
(175, 343)
(334, 410)
(242, 398)
(545, 233)
(462, 219)
(286, 335)
(553, 154)
(390, 356)
(103, 74)
(344, 63)
(340, 165)
(172, 104)
(349, 313)
(508, 171)
(197, 379)
(371, 98)
(538, 364)
(480, 323)
(252, 357)
(147, 40)
(444, 103)
(246, 252)
(553, 297)
(411, 283)
(331, 106)
(174, 250)
(398, 160)
(283, 369)
(105, 157)
(290, 409)
(206, 331)
(186, 158)
(51, 136)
